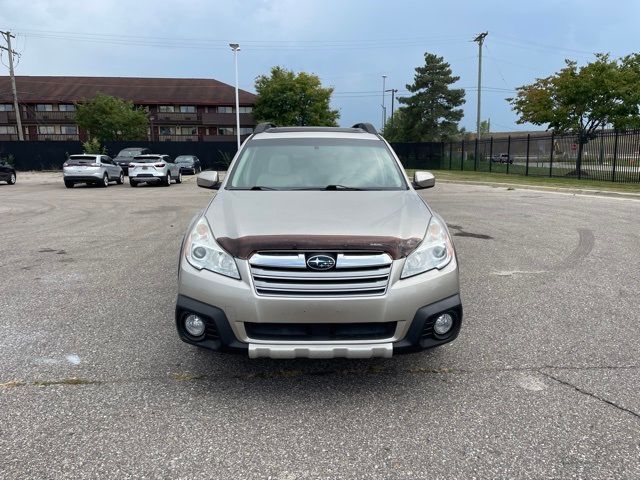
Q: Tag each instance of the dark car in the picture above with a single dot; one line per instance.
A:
(123, 159)
(189, 164)
(7, 173)
(502, 158)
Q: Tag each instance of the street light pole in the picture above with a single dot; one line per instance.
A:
(384, 110)
(480, 40)
(236, 48)
(393, 98)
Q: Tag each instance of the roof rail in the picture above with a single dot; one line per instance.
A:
(367, 127)
(263, 127)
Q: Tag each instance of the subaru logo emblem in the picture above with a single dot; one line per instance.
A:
(321, 262)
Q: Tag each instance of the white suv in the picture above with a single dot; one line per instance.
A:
(154, 169)
(91, 169)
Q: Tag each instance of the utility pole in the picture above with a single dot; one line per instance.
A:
(480, 39)
(7, 36)
(236, 48)
(384, 109)
(393, 98)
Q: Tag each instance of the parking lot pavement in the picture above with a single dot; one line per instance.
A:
(542, 381)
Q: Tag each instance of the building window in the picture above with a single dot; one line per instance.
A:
(69, 129)
(167, 130)
(246, 130)
(46, 129)
(226, 110)
(67, 107)
(166, 108)
(44, 107)
(8, 130)
(187, 109)
(6, 107)
(226, 131)
(245, 109)
(188, 130)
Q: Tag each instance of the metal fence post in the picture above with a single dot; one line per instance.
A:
(490, 153)
(475, 156)
(462, 157)
(450, 153)
(508, 152)
(615, 157)
(526, 170)
(553, 146)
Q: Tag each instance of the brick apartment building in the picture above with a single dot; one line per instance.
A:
(179, 109)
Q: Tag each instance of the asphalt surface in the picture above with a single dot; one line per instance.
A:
(543, 381)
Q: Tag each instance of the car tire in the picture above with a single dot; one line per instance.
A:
(12, 179)
(105, 181)
(120, 179)
(167, 180)
(133, 183)
(68, 184)
(179, 179)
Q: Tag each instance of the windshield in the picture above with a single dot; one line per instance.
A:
(129, 153)
(184, 159)
(147, 159)
(316, 164)
(81, 160)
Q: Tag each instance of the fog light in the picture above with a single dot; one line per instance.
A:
(443, 324)
(194, 325)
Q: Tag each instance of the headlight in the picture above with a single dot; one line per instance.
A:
(435, 251)
(202, 251)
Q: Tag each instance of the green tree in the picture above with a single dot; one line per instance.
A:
(286, 98)
(394, 130)
(110, 118)
(581, 100)
(485, 127)
(432, 113)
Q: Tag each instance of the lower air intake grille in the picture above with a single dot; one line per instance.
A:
(320, 331)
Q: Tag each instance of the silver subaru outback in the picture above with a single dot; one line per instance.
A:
(317, 245)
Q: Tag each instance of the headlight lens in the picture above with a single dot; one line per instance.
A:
(435, 251)
(202, 251)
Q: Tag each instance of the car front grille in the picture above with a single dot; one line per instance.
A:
(287, 274)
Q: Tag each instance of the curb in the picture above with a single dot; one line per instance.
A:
(575, 191)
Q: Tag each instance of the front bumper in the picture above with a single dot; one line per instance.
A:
(219, 335)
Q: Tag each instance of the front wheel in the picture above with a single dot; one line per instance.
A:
(12, 179)
(120, 180)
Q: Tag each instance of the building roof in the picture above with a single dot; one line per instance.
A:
(186, 91)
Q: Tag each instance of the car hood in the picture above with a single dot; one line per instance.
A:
(247, 221)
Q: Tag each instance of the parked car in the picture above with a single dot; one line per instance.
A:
(189, 164)
(501, 158)
(91, 169)
(317, 245)
(7, 173)
(125, 156)
(153, 169)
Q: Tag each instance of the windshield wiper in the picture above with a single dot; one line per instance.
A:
(258, 187)
(340, 187)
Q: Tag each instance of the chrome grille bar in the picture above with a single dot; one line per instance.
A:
(287, 274)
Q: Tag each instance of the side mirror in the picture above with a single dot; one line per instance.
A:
(423, 180)
(208, 180)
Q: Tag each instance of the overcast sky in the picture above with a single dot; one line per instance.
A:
(349, 44)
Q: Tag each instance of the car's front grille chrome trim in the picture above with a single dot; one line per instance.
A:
(287, 274)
